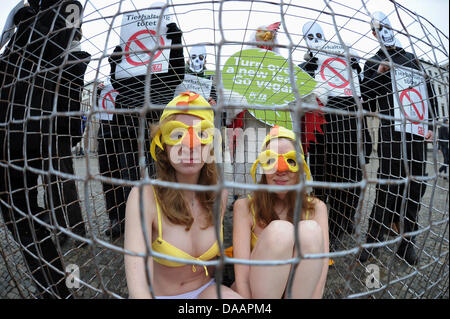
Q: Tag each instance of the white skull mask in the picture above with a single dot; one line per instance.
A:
(313, 34)
(381, 22)
(197, 58)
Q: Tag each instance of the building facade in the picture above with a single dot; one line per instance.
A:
(439, 79)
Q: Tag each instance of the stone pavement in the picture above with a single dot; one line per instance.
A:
(102, 269)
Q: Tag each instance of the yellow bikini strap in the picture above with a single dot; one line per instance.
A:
(159, 214)
(253, 169)
(252, 210)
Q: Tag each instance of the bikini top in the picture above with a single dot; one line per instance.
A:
(161, 246)
(254, 238)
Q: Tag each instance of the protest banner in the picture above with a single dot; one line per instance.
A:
(411, 102)
(195, 84)
(106, 102)
(333, 71)
(140, 41)
(263, 78)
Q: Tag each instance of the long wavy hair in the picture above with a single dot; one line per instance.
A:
(263, 203)
(172, 202)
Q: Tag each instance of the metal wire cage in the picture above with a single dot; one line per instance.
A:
(83, 81)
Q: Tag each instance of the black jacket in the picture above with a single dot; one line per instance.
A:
(70, 95)
(377, 88)
(29, 77)
(443, 137)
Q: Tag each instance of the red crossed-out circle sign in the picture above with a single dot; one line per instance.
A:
(412, 95)
(108, 96)
(134, 39)
(327, 65)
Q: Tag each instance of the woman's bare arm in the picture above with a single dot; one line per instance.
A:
(135, 242)
(321, 217)
(242, 223)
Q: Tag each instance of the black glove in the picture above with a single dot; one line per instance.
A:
(115, 57)
(311, 63)
(355, 65)
(173, 32)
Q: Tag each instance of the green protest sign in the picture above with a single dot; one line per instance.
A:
(263, 77)
(210, 72)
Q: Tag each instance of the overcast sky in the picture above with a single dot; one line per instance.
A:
(200, 24)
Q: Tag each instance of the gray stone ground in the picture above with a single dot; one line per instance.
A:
(102, 269)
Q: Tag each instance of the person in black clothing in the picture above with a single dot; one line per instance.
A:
(64, 191)
(37, 64)
(316, 147)
(125, 126)
(109, 165)
(334, 157)
(196, 66)
(377, 88)
(443, 146)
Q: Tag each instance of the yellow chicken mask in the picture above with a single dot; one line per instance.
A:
(175, 132)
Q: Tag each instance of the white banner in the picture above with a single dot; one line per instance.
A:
(412, 93)
(332, 72)
(138, 33)
(195, 84)
(106, 101)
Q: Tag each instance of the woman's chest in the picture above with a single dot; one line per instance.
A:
(195, 241)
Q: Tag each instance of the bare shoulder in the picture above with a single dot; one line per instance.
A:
(225, 193)
(147, 193)
(241, 203)
(320, 208)
(224, 197)
(224, 201)
(241, 213)
(240, 207)
(148, 201)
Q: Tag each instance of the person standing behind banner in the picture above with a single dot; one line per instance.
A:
(128, 76)
(108, 161)
(378, 89)
(267, 39)
(65, 197)
(314, 141)
(196, 67)
(340, 139)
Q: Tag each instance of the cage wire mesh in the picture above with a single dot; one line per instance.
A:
(77, 109)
